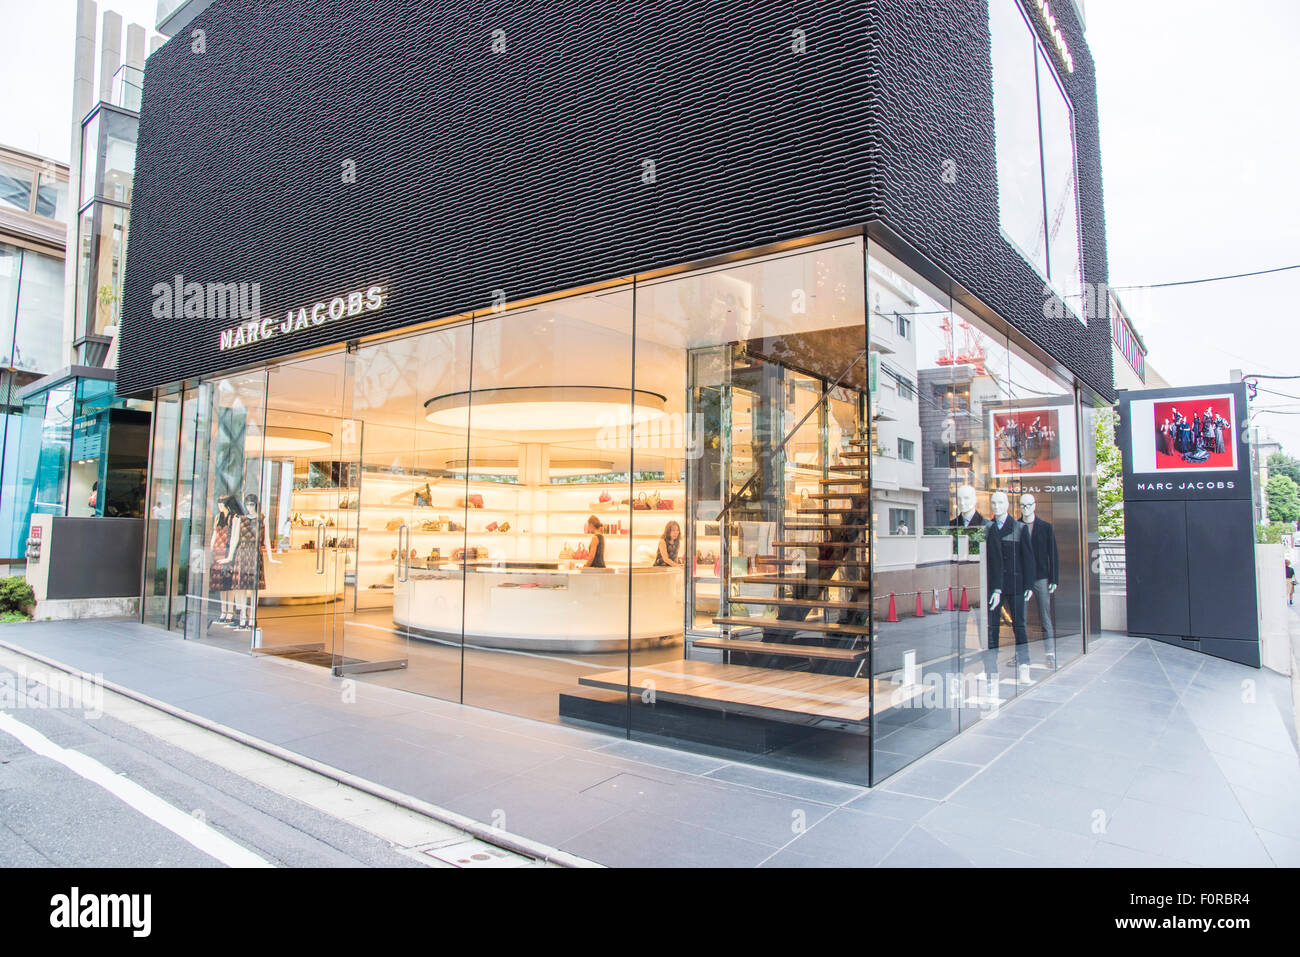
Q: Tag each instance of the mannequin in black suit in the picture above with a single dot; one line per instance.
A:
(1042, 538)
(1010, 573)
(968, 516)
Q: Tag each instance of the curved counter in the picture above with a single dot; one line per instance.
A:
(568, 610)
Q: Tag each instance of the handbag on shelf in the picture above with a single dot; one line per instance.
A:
(393, 525)
(424, 497)
(665, 504)
(642, 503)
(491, 527)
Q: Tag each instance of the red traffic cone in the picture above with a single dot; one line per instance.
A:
(951, 606)
(934, 601)
(920, 608)
(893, 610)
(964, 606)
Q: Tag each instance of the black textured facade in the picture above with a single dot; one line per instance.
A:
(523, 170)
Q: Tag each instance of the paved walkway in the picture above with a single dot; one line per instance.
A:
(1141, 754)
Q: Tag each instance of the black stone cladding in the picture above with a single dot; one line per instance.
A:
(522, 170)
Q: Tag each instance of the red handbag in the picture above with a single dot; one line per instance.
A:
(665, 504)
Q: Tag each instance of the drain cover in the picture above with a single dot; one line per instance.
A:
(476, 854)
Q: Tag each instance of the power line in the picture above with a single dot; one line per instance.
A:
(1193, 282)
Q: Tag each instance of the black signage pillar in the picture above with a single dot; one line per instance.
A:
(1189, 519)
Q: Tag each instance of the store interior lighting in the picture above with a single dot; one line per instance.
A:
(544, 408)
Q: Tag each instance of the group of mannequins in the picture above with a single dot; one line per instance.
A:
(1022, 564)
(241, 547)
(1194, 440)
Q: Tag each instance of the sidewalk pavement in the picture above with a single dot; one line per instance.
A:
(1139, 754)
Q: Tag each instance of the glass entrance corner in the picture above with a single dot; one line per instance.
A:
(740, 509)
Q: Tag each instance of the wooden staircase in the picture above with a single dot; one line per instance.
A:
(841, 513)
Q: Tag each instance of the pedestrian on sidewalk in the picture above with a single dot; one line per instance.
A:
(1290, 583)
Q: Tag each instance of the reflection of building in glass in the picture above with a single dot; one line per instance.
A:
(82, 450)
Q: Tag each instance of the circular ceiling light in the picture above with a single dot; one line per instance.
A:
(544, 408)
(282, 440)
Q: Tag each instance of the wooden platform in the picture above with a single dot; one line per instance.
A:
(762, 692)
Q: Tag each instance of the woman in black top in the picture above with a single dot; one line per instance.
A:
(670, 544)
(596, 548)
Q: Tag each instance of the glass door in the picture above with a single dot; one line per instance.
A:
(371, 625)
(303, 526)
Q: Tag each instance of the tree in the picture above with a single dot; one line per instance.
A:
(1279, 463)
(1283, 499)
(1110, 477)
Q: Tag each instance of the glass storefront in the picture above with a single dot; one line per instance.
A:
(742, 510)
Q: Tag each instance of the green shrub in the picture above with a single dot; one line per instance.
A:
(7, 616)
(1270, 533)
(15, 594)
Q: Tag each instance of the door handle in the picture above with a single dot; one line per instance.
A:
(403, 552)
(320, 549)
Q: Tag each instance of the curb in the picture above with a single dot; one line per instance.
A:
(505, 839)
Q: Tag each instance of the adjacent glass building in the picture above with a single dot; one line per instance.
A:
(656, 478)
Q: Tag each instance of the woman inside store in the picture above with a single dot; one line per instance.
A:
(596, 548)
(670, 545)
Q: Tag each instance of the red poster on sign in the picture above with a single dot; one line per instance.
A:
(1194, 433)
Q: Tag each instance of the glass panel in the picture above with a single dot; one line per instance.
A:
(11, 260)
(24, 440)
(38, 343)
(107, 266)
(991, 638)
(232, 416)
(306, 538)
(85, 252)
(1061, 191)
(117, 162)
(182, 550)
(761, 461)
(1048, 502)
(89, 159)
(1094, 414)
(548, 566)
(16, 186)
(925, 567)
(408, 602)
(162, 509)
(1015, 111)
(51, 485)
(51, 196)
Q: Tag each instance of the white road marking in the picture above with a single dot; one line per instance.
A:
(184, 826)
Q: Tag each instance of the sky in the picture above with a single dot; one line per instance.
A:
(1200, 167)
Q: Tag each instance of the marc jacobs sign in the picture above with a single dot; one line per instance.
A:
(345, 306)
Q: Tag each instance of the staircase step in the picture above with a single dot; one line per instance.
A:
(821, 527)
(771, 624)
(826, 496)
(774, 560)
(821, 544)
(804, 602)
(783, 580)
(785, 649)
(832, 510)
(843, 481)
(854, 455)
(846, 468)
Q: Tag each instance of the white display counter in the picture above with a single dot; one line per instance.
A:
(292, 578)
(576, 611)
